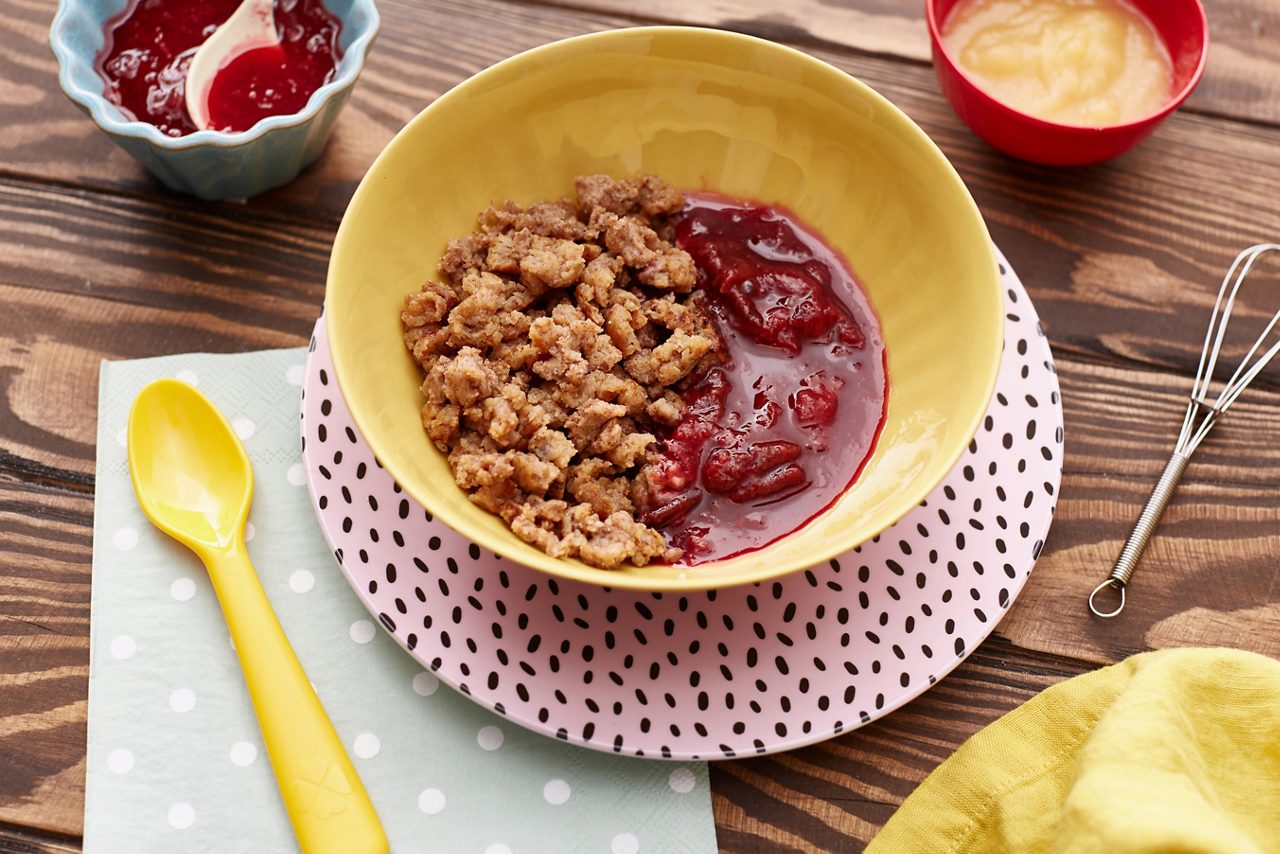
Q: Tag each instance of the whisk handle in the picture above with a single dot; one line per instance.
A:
(1142, 532)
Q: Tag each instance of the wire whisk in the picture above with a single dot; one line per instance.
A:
(1202, 414)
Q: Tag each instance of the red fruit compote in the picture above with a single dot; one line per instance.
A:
(150, 45)
(776, 432)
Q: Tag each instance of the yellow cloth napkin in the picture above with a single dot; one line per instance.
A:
(1172, 751)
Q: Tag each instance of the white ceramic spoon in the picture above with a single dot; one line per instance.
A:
(251, 26)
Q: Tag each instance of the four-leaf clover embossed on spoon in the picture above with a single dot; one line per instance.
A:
(194, 481)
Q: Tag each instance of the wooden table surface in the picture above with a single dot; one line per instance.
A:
(98, 261)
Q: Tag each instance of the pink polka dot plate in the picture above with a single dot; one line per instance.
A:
(713, 674)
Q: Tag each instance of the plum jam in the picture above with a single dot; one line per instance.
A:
(149, 47)
(780, 428)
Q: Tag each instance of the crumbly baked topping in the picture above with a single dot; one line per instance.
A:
(553, 346)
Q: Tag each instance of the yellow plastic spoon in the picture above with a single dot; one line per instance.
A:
(194, 481)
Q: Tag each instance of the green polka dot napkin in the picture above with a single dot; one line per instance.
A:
(176, 762)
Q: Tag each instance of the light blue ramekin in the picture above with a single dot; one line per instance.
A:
(210, 164)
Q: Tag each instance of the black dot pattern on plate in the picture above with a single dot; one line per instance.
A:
(712, 674)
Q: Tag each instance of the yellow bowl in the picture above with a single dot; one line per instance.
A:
(705, 110)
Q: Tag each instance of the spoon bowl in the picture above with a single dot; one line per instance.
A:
(251, 26)
(195, 482)
(190, 472)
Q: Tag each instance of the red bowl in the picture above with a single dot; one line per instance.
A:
(1181, 24)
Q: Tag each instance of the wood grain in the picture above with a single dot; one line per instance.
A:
(423, 49)
(1098, 237)
(1242, 79)
(835, 795)
(1104, 488)
(21, 840)
(42, 135)
(52, 345)
(45, 539)
(1122, 260)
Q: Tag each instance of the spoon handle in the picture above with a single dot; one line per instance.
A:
(327, 804)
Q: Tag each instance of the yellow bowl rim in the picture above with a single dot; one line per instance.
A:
(703, 576)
